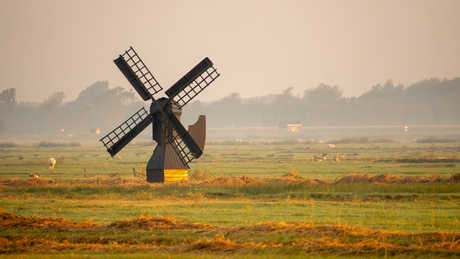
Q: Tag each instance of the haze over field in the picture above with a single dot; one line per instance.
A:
(259, 47)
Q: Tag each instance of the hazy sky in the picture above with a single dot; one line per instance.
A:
(259, 46)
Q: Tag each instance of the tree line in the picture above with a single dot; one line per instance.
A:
(97, 106)
(427, 102)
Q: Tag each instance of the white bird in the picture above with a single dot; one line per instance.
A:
(51, 163)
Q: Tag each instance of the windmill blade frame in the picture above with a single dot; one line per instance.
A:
(137, 73)
(183, 143)
(118, 138)
(192, 83)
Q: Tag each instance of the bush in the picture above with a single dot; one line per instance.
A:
(383, 140)
(351, 140)
(3, 127)
(8, 144)
(433, 139)
(46, 143)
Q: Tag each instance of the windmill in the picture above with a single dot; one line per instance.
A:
(176, 147)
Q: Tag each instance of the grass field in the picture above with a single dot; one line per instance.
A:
(242, 200)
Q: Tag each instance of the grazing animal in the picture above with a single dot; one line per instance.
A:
(21, 158)
(85, 174)
(324, 158)
(113, 175)
(340, 155)
(34, 175)
(51, 163)
(37, 156)
(336, 159)
(109, 158)
(136, 174)
(317, 158)
(291, 155)
(356, 154)
(325, 154)
(119, 157)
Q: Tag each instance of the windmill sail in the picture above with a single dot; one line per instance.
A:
(126, 132)
(195, 81)
(137, 73)
(192, 146)
(178, 137)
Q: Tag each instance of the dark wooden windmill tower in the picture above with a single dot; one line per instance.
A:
(176, 147)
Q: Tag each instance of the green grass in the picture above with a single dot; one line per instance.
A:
(422, 207)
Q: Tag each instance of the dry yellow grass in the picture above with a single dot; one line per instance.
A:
(244, 179)
(335, 239)
(10, 221)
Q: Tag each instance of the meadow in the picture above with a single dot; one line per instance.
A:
(243, 199)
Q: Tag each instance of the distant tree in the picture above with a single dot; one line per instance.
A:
(323, 94)
(8, 103)
(384, 92)
(285, 106)
(93, 90)
(49, 106)
(112, 103)
(226, 111)
(323, 104)
(84, 109)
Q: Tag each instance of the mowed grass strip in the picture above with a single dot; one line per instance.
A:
(169, 235)
(399, 207)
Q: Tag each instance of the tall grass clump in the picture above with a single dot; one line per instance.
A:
(201, 175)
(351, 140)
(383, 140)
(433, 139)
(8, 144)
(46, 143)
